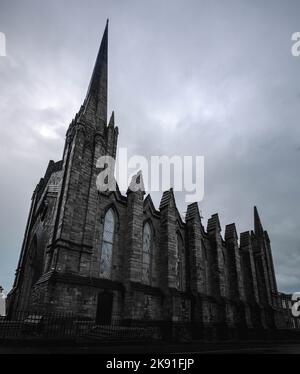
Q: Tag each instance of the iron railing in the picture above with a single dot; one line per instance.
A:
(30, 324)
(41, 324)
(35, 325)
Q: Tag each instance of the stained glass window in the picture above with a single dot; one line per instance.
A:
(146, 259)
(107, 244)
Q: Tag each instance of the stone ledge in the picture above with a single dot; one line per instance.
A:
(67, 244)
(136, 286)
(71, 278)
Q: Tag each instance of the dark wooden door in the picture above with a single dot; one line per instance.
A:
(104, 308)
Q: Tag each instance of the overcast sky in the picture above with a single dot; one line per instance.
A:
(196, 77)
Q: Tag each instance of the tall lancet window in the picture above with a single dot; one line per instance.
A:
(107, 244)
(146, 257)
(180, 263)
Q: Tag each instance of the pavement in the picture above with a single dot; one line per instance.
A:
(160, 349)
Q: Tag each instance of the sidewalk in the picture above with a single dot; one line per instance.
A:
(62, 347)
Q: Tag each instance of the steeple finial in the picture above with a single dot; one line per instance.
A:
(95, 103)
(112, 119)
(258, 229)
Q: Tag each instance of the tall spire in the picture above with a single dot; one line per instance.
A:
(258, 229)
(95, 103)
(112, 119)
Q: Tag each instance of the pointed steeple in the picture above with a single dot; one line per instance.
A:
(258, 229)
(112, 119)
(95, 103)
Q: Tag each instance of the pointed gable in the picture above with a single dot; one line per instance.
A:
(148, 204)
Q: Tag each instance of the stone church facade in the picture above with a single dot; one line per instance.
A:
(112, 257)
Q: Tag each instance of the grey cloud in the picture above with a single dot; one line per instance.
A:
(208, 78)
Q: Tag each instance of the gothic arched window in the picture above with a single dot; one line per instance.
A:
(180, 263)
(107, 244)
(146, 256)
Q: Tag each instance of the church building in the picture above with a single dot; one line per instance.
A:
(115, 258)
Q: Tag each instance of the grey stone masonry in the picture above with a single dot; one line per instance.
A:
(218, 256)
(168, 240)
(236, 282)
(196, 250)
(135, 207)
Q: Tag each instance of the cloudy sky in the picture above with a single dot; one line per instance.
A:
(196, 77)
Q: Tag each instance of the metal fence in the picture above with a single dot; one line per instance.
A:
(28, 324)
(37, 325)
